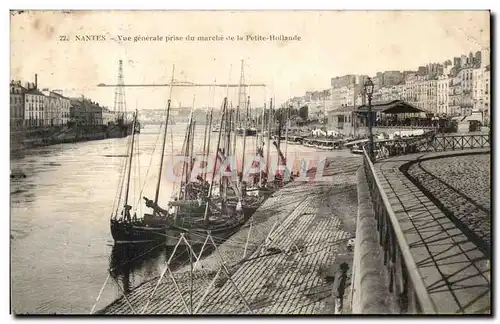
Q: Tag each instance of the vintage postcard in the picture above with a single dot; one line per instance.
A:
(250, 162)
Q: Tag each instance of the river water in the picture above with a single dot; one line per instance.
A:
(61, 246)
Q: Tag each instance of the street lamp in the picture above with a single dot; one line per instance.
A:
(369, 92)
(481, 108)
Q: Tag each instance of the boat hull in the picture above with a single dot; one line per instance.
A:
(140, 232)
(197, 236)
(136, 233)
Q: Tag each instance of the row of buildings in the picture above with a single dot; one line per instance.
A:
(32, 107)
(454, 87)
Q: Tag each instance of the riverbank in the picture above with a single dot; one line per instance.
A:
(26, 139)
(297, 241)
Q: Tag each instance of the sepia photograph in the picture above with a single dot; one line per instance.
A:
(250, 162)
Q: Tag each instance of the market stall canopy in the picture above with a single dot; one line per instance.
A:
(390, 107)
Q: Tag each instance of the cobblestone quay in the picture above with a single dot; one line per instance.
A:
(462, 185)
(291, 274)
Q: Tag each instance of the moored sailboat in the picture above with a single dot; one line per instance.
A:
(195, 211)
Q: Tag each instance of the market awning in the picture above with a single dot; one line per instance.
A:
(390, 107)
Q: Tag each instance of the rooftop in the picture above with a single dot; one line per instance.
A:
(35, 92)
(390, 107)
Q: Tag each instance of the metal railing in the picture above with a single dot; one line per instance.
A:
(430, 142)
(405, 282)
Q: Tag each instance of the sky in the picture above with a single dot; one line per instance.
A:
(332, 43)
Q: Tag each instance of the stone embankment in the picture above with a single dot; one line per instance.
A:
(25, 139)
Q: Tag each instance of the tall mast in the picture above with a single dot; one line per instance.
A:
(280, 124)
(228, 147)
(226, 144)
(240, 105)
(288, 122)
(205, 135)
(235, 128)
(244, 141)
(191, 151)
(262, 123)
(130, 161)
(286, 130)
(208, 142)
(261, 141)
(205, 217)
(268, 136)
(205, 155)
(187, 149)
(191, 141)
(186, 146)
(241, 94)
(164, 139)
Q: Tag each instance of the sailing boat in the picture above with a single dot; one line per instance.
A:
(221, 215)
(191, 217)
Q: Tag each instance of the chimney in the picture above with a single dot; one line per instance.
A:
(36, 81)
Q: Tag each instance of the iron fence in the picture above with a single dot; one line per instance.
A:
(405, 283)
(430, 142)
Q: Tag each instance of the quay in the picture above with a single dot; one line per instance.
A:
(296, 240)
(406, 234)
(25, 139)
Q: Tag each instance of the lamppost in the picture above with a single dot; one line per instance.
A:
(481, 108)
(369, 92)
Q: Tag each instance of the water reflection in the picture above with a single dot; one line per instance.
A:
(145, 260)
(127, 259)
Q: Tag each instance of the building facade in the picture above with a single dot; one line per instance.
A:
(339, 82)
(454, 95)
(487, 85)
(78, 114)
(484, 101)
(17, 92)
(393, 78)
(52, 112)
(34, 107)
(465, 76)
(442, 95)
(96, 113)
(395, 92)
(108, 116)
(63, 107)
(457, 86)
(430, 96)
(410, 88)
(478, 86)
